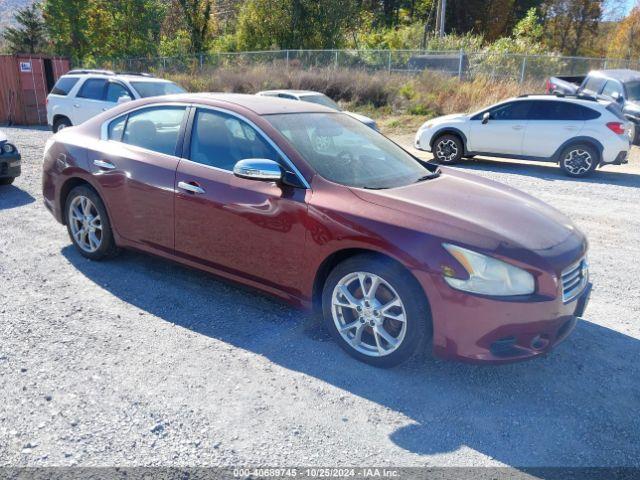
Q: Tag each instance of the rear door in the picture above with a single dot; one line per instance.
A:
(136, 170)
(552, 124)
(504, 131)
(90, 100)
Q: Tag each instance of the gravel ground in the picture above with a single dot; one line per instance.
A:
(142, 362)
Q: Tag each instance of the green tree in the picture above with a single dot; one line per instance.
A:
(30, 34)
(571, 26)
(67, 25)
(197, 17)
(264, 24)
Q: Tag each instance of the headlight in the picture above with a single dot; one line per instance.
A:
(8, 148)
(489, 276)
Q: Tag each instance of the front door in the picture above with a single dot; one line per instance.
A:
(503, 132)
(247, 228)
(90, 100)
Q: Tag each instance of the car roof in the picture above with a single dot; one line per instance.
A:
(106, 74)
(589, 102)
(293, 92)
(256, 103)
(623, 74)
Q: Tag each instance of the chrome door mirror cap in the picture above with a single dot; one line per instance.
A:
(258, 169)
(485, 117)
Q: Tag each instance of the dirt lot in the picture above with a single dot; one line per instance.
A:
(142, 362)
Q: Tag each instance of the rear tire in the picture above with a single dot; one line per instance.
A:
(447, 149)
(579, 160)
(382, 337)
(88, 224)
(61, 123)
(7, 180)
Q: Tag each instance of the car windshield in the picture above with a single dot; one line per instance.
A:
(346, 151)
(156, 89)
(321, 100)
(633, 90)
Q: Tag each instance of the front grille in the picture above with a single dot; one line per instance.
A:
(574, 279)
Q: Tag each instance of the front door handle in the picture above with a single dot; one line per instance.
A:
(76, 105)
(104, 164)
(571, 128)
(189, 187)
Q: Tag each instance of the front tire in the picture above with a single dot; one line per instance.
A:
(448, 149)
(7, 180)
(376, 311)
(579, 160)
(88, 224)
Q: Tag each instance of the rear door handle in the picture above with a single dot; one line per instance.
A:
(104, 164)
(568, 127)
(518, 127)
(189, 187)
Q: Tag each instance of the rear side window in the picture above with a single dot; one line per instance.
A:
(64, 85)
(154, 129)
(554, 110)
(93, 88)
(593, 85)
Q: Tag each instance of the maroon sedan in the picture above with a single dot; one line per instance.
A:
(314, 207)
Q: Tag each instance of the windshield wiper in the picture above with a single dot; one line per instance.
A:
(434, 174)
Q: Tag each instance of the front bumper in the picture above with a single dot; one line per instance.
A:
(10, 165)
(478, 329)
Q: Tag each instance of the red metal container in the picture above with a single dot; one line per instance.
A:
(25, 82)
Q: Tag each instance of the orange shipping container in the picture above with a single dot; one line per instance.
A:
(25, 82)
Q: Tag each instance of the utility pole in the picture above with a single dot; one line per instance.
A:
(443, 13)
(437, 29)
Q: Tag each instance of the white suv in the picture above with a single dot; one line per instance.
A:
(82, 94)
(578, 133)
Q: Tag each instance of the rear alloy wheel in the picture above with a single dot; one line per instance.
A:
(88, 224)
(375, 311)
(60, 124)
(579, 160)
(448, 149)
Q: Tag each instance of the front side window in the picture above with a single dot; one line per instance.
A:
(115, 91)
(93, 89)
(155, 129)
(345, 151)
(156, 89)
(511, 111)
(64, 85)
(612, 87)
(220, 140)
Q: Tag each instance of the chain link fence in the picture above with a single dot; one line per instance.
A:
(464, 65)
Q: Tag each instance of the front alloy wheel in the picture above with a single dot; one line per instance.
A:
(369, 314)
(448, 149)
(376, 310)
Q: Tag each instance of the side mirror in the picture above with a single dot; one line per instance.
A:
(260, 169)
(485, 117)
(124, 99)
(617, 97)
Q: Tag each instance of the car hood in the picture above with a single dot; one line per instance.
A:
(446, 118)
(478, 212)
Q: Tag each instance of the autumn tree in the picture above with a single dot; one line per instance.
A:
(571, 26)
(625, 41)
(29, 36)
(197, 17)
